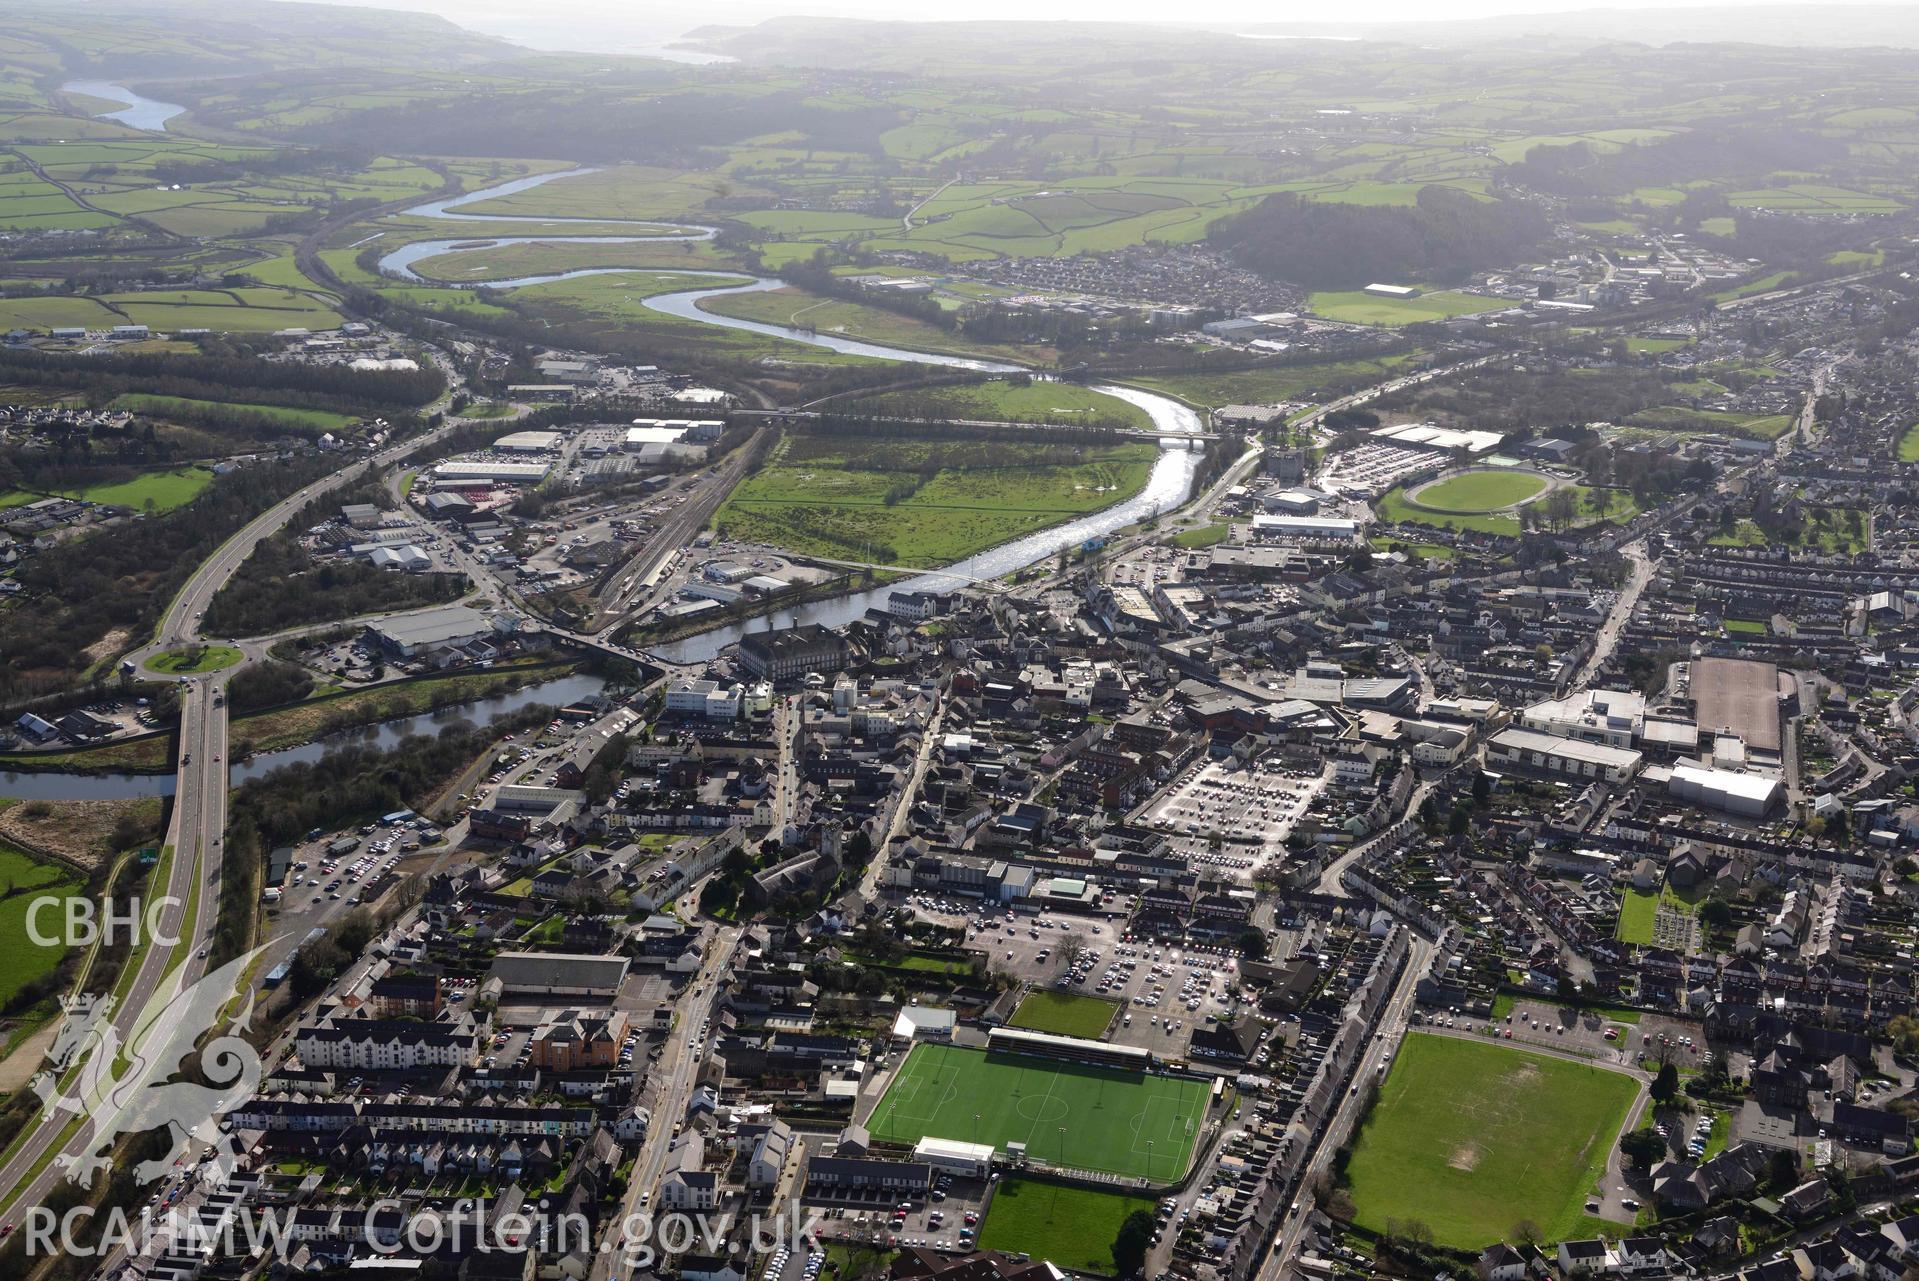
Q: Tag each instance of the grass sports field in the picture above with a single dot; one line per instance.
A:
(1073, 1227)
(1481, 491)
(1397, 507)
(1471, 1138)
(1088, 1118)
(1064, 1014)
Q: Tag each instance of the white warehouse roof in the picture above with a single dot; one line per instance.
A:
(1305, 526)
(491, 469)
(434, 626)
(1570, 749)
(528, 441)
(1439, 437)
(1725, 789)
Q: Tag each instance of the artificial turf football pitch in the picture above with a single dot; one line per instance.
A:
(1129, 1124)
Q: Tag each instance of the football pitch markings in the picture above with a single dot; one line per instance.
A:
(1074, 1115)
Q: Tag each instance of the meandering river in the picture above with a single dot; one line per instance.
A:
(1169, 484)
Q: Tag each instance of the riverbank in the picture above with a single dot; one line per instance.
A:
(279, 729)
(139, 112)
(295, 725)
(646, 634)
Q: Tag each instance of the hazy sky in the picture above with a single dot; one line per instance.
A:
(624, 25)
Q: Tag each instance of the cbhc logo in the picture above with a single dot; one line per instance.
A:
(87, 923)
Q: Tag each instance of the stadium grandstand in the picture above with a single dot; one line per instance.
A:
(1072, 1049)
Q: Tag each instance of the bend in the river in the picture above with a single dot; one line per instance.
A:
(139, 113)
(1168, 486)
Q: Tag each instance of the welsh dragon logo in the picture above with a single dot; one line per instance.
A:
(121, 1072)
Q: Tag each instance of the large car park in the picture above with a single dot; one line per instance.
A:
(1226, 819)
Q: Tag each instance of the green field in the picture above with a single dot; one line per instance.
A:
(1637, 910)
(211, 658)
(165, 490)
(1764, 284)
(1474, 492)
(1909, 445)
(1712, 422)
(1811, 198)
(612, 309)
(1086, 1118)
(246, 310)
(1034, 401)
(56, 312)
(1470, 1138)
(549, 257)
(1357, 307)
(24, 880)
(320, 420)
(251, 309)
(908, 501)
(1857, 259)
(1074, 1228)
(1203, 536)
(1064, 1014)
(836, 316)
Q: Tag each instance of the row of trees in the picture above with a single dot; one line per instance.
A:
(233, 377)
